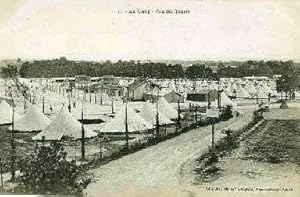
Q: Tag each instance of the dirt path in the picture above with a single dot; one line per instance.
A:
(158, 166)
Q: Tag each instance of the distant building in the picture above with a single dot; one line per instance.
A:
(174, 97)
(170, 96)
(256, 78)
(82, 80)
(203, 96)
(137, 89)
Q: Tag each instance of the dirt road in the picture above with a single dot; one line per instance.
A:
(158, 166)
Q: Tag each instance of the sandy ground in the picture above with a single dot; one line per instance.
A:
(157, 167)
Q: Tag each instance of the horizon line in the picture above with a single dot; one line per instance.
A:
(154, 59)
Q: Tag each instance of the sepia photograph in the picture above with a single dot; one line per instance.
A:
(154, 98)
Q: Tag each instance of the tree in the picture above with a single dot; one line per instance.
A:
(9, 71)
(48, 172)
(198, 71)
(290, 77)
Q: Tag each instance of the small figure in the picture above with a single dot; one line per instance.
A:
(69, 108)
(51, 109)
(283, 105)
(74, 104)
(228, 134)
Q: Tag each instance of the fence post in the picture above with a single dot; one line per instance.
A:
(1, 174)
(213, 136)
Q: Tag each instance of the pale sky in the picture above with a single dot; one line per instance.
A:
(93, 29)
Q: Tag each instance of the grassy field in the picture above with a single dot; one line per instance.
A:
(278, 141)
(267, 157)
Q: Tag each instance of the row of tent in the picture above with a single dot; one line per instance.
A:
(198, 85)
(65, 125)
(249, 92)
(144, 120)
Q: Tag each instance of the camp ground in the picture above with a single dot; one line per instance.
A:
(122, 115)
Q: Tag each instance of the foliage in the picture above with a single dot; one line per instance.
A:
(226, 114)
(275, 142)
(198, 71)
(62, 67)
(9, 71)
(48, 172)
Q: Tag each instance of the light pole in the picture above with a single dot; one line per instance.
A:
(126, 126)
(43, 107)
(100, 149)
(157, 114)
(112, 105)
(219, 96)
(69, 97)
(208, 99)
(213, 115)
(43, 104)
(213, 136)
(196, 114)
(13, 145)
(82, 136)
(101, 96)
(1, 176)
(90, 92)
(24, 101)
(33, 97)
(178, 114)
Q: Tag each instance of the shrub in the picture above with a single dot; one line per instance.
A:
(48, 172)
(227, 113)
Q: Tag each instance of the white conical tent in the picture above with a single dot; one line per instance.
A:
(225, 101)
(5, 113)
(251, 89)
(234, 87)
(64, 124)
(134, 121)
(149, 113)
(242, 93)
(228, 91)
(172, 87)
(260, 94)
(167, 109)
(32, 120)
(267, 90)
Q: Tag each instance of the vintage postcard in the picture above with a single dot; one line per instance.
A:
(151, 98)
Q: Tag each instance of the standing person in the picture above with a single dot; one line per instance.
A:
(51, 109)
(69, 108)
(228, 134)
(74, 104)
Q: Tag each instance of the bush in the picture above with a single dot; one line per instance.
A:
(48, 172)
(226, 114)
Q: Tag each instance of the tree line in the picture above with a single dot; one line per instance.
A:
(62, 67)
(65, 68)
